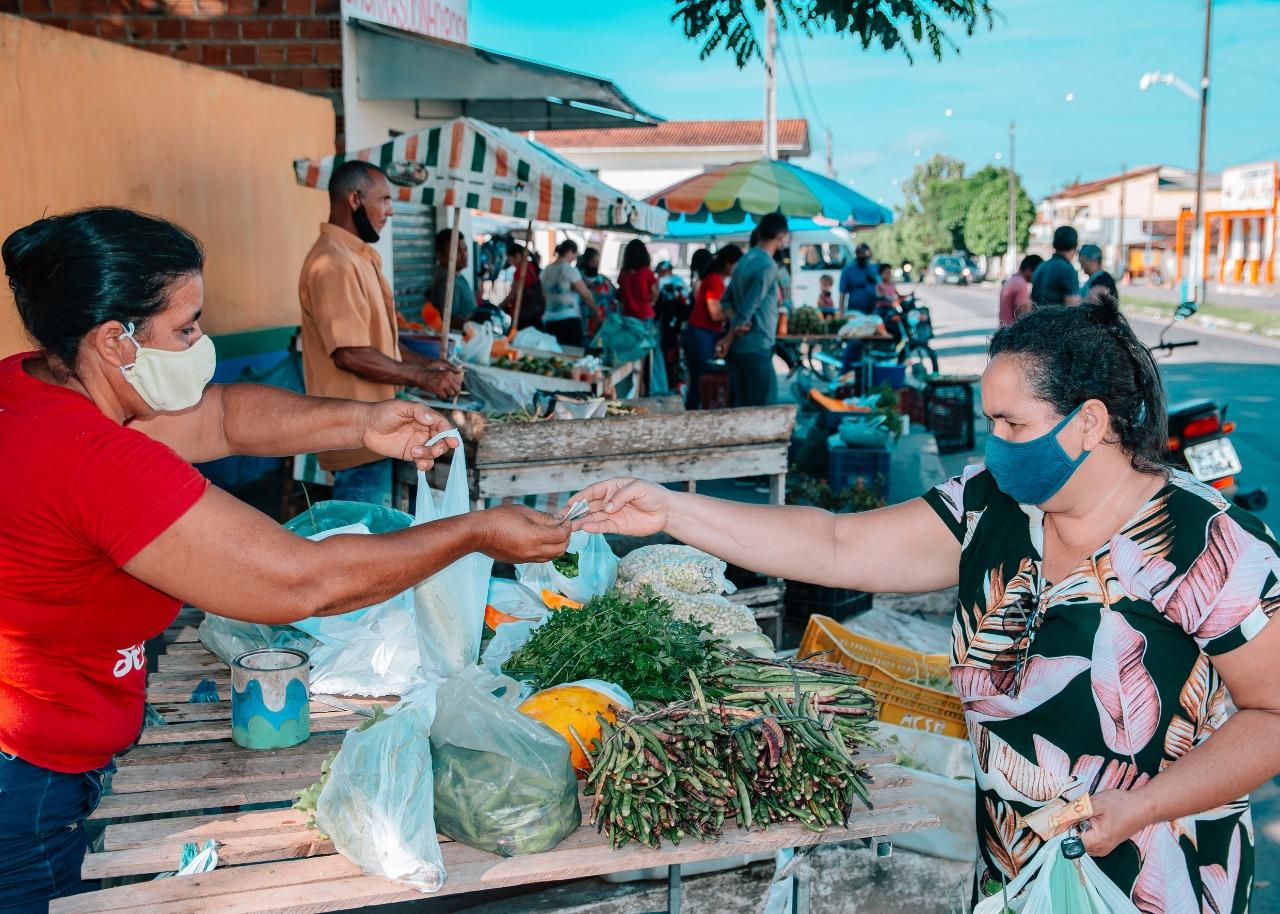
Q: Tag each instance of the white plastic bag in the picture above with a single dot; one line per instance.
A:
(1052, 884)
(449, 606)
(229, 638)
(478, 349)
(377, 655)
(378, 805)
(681, 568)
(597, 570)
(533, 338)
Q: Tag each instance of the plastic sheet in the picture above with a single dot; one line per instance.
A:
(229, 638)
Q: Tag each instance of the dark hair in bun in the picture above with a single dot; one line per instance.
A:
(1075, 353)
(73, 272)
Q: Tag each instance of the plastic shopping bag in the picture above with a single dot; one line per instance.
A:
(229, 638)
(378, 803)
(375, 655)
(597, 570)
(1052, 884)
(503, 781)
(478, 347)
(533, 338)
(449, 605)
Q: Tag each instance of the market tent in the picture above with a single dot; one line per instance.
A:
(468, 163)
(734, 193)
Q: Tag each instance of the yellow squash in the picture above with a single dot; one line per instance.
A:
(570, 709)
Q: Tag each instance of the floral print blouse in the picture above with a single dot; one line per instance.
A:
(1118, 681)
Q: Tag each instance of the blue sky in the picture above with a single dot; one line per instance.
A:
(881, 110)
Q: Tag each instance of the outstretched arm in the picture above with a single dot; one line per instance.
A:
(902, 549)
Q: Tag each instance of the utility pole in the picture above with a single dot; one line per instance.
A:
(831, 163)
(770, 84)
(1123, 265)
(1197, 241)
(1013, 204)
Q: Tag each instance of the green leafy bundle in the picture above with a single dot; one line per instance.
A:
(634, 642)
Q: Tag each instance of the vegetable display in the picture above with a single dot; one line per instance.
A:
(567, 564)
(548, 368)
(760, 742)
(576, 713)
(808, 321)
(634, 642)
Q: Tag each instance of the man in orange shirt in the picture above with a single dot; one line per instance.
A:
(349, 344)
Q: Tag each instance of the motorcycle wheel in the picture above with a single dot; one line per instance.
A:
(920, 360)
(1254, 501)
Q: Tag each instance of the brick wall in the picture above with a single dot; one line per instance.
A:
(292, 43)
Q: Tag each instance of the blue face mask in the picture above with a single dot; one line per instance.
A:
(1032, 472)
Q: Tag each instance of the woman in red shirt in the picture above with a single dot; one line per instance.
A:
(109, 529)
(706, 322)
(637, 283)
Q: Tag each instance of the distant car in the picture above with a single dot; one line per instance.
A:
(950, 269)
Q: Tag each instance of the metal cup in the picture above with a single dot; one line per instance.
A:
(270, 698)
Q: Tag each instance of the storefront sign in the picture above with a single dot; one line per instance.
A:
(1247, 187)
(442, 19)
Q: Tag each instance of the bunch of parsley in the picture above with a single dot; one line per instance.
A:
(633, 642)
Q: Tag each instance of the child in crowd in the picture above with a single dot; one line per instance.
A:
(886, 291)
(826, 304)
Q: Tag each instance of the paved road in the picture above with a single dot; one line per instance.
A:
(1241, 372)
(1264, 300)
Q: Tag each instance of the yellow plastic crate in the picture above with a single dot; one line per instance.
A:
(886, 667)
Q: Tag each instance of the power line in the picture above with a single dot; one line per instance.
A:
(791, 81)
(804, 73)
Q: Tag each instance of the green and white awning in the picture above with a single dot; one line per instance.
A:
(466, 162)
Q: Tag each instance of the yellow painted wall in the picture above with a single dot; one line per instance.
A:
(84, 121)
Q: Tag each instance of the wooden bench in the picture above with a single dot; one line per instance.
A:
(185, 783)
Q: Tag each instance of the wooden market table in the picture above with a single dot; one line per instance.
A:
(189, 781)
(666, 444)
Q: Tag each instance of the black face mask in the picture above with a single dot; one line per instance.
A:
(364, 228)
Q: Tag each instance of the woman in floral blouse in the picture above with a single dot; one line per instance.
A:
(1107, 605)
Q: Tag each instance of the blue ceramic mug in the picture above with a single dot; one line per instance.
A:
(270, 698)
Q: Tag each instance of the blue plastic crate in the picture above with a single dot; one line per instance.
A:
(846, 465)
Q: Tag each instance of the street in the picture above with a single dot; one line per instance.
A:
(1241, 372)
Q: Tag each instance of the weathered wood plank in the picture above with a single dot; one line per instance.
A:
(333, 883)
(222, 751)
(189, 799)
(220, 728)
(536, 476)
(189, 662)
(514, 442)
(259, 837)
(201, 767)
(765, 595)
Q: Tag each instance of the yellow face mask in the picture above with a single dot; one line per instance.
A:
(170, 380)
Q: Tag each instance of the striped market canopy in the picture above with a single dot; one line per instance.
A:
(466, 162)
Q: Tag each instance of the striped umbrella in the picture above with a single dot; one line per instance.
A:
(734, 193)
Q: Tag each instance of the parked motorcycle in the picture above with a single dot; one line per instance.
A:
(1199, 440)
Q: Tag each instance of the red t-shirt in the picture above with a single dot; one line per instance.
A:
(80, 496)
(711, 286)
(635, 288)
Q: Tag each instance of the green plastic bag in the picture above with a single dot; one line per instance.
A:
(624, 339)
(324, 516)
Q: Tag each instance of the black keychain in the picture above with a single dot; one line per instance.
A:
(1073, 844)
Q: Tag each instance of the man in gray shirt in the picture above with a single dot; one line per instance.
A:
(751, 305)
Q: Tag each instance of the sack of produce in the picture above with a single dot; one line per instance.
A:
(503, 781)
(722, 615)
(681, 568)
(587, 569)
(449, 605)
(574, 710)
(1052, 883)
(377, 803)
(229, 638)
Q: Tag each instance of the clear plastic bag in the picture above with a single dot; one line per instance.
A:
(449, 605)
(477, 348)
(597, 570)
(376, 655)
(681, 568)
(229, 638)
(378, 803)
(503, 781)
(1052, 884)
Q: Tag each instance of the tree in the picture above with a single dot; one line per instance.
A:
(986, 228)
(887, 23)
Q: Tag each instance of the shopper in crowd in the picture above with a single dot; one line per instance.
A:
(783, 262)
(464, 299)
(706, 322)
(566, 295)
(671, 311)
(1099, 281)
(858, 283)
(526, 288)
(1108, 605)
(826, 302)
(751, 306)
(1015, 294)
(638, 292)
(603, 292)
(110, 529)
(350, 345)
(1056, 282)
(698, 263)
(886, 289)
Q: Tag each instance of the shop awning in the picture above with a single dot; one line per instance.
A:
(497, 88)
(466, 162)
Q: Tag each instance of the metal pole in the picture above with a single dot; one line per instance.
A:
(770, 84)
(1198, 284)
(831, 164)
(1123, 265)
(1013, 204)
(515, 307)
(446, 313)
